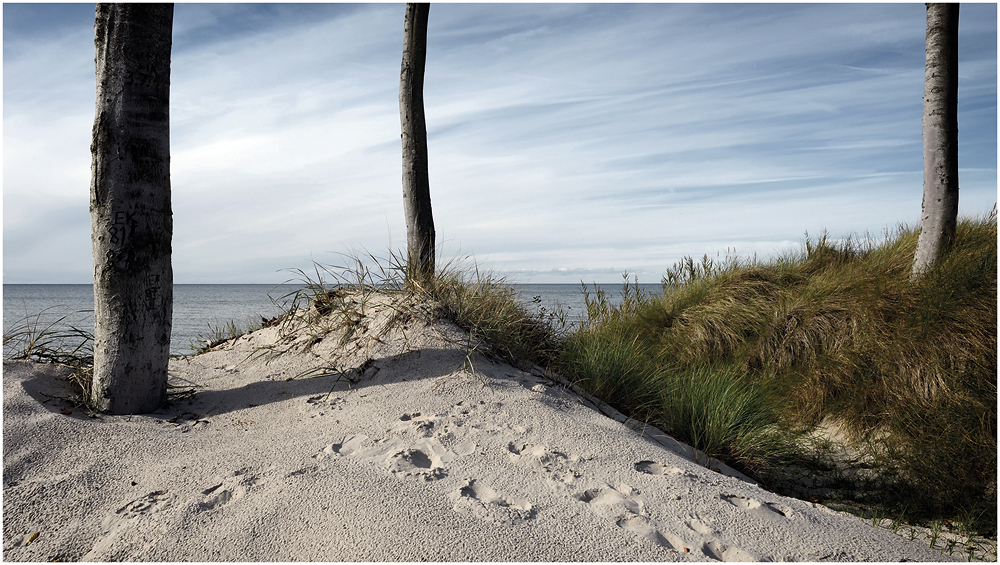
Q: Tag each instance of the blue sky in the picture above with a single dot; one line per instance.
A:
(567, 142)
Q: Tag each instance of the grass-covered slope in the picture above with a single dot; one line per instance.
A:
(737, 356)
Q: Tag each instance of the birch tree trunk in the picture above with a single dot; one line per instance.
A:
(939, 212)
(131, 219)
(416, 186)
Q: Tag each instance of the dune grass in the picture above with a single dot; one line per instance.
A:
(491, 310)
(222, 332)
(55, 341)
(739, 356)
(500, 324)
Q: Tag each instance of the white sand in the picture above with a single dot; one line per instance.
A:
(420, 460)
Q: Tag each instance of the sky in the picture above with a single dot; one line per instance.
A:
(567, 143)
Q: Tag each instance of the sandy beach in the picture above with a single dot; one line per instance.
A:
(394, 444)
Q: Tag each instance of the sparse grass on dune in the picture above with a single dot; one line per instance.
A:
(55, 342)
(489, 308)
(499, 323)
(225, 331)
(48, 342)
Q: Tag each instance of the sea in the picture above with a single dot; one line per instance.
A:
(198, 308)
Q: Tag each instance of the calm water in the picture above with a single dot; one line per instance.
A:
(198, 306)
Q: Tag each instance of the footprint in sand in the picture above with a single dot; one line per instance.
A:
(145, 504)
(146, 514)
(623, 507)
(425, 459)
(143, 514)
(231, 487)
(645, 529)
(442, 427)
(722, 552)
(701, 527)
(482, 417)
(348, 446)
(610, 502)
(654, 468)
(416, 463)
(741, 501)
(423, 426)
(303, 471)
(780, 509)
(215, 499)
(756, 507)
(558, 466)
(479, 491)
(483, 502)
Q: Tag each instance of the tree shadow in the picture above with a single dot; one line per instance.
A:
(421, 364)
(48, 385)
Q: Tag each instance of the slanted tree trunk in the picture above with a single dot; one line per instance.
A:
(416, 186)
(131, 221)
(939, 214)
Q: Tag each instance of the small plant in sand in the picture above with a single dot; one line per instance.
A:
(336, 298)
(224, 332)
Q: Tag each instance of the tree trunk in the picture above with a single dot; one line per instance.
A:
(416, 186)
(131, 219)
(939, 214)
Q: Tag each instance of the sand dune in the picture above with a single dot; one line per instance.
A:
(426, 457)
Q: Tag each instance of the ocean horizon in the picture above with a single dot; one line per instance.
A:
(200, 307)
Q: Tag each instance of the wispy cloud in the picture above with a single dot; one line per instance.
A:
(567, 141)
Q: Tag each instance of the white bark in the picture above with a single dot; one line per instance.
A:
(939, 215)
(131, 219)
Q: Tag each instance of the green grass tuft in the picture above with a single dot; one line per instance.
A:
(725, 414)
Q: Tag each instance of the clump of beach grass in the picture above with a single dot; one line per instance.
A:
(717, 408)
(837, 332)
(52, 341)
(55, 341)
(489, 308)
